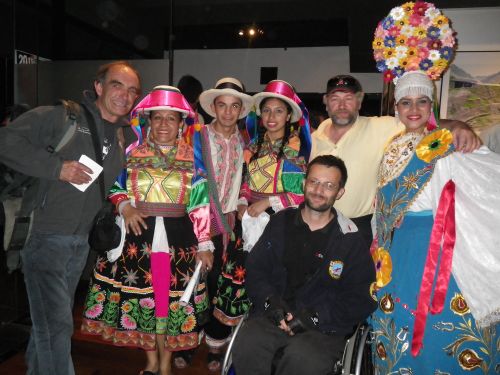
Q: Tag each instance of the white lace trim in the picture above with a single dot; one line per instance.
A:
(206, 246)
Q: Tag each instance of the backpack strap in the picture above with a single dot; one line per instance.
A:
(71, 114)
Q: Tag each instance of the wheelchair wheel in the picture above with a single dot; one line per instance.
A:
(227, 364)
(364, 363)
(357, 357)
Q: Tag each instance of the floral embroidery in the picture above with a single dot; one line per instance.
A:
(188, 324)
(410, 181)
(239, 274)
(391, 343)
(231, 301)
(132, 251)
(469, 360)
(94, 311)
(397, 155)
(147, 303)
(434, 145)
(383, 266)
(458, 305)
(128, 322)
(386, 304)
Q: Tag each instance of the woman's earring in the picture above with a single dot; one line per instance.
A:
(179, 133)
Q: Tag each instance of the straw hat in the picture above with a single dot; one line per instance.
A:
(226, 86)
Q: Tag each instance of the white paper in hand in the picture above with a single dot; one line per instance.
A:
(96, 171)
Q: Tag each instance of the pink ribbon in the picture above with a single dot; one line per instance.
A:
(443, 231)
(282, 88)
(160, 272)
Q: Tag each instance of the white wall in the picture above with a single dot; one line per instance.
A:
(308, 69)
(67, 79)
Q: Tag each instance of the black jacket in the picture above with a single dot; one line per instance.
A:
(340, 300)
(23, 145)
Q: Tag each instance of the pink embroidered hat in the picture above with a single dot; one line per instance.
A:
(281, 90)
(159, 99)
(164, 98)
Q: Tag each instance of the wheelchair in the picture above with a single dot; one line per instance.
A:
(356, 359)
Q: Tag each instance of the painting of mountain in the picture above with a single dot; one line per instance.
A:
(473, 93)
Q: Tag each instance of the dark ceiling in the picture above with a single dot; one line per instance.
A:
(113, 29)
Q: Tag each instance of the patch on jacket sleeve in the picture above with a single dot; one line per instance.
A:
(335, 269)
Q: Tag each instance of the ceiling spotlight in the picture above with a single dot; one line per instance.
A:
(251, 31)
(241, 33)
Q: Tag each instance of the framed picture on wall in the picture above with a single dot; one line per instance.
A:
(470, 90)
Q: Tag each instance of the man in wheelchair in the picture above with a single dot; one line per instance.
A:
(309, 278)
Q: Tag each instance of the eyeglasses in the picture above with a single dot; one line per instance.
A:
(325, 185)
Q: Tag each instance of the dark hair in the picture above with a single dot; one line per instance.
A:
(330, 161)
(190, 87)
(262, 130)
(103, 70)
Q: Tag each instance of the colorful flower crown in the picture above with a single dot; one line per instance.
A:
(413, 36)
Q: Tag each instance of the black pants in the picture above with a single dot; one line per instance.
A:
(310, 352)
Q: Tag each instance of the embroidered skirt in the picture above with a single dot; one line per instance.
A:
(452, 343)
(120, 305)
(231, 301)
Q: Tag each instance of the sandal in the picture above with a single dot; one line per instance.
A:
(183, 359)
(214, 361)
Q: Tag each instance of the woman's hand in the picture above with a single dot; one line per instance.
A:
(134, 219)
(255, 209)
(241, 211)
(207, 260)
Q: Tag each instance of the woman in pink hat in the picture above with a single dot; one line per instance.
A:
(134, 294)
(275, 163)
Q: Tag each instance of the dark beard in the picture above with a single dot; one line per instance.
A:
(321, 208)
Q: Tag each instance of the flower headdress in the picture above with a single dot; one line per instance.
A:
(413, 36)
